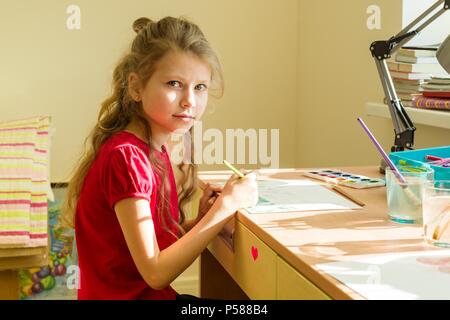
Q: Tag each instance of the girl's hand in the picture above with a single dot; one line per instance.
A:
(210, 194)
(240, 192)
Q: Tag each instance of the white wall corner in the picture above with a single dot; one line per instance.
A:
(434, 33)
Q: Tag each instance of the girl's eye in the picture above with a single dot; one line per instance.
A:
(201, 87)
(174, 83)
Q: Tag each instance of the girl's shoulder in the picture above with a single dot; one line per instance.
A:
(124, 140)
(122, 153)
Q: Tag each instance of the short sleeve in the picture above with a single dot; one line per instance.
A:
(127, 174)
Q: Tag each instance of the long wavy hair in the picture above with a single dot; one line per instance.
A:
(152, 42)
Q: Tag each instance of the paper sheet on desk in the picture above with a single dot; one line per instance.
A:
(298, 195)
(413, 275)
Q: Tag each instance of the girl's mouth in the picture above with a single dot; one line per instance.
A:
(184, 116)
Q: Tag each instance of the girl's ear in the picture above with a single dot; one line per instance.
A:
(134, 86)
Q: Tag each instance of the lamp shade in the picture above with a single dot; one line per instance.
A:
(443, 54)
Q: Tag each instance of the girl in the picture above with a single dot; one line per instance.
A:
(132, 237)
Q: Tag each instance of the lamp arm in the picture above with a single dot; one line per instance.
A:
(420, 19)
(382, 50)
(403, 126)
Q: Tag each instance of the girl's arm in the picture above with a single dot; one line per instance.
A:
(160, 268)
(188, 224)
(210, 194)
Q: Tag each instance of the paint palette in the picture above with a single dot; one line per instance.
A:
(345, 179)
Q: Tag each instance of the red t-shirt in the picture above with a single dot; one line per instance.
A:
(121, 170)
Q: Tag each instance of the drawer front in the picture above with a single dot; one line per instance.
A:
(291, 285)
(254, 265)
(249, 261)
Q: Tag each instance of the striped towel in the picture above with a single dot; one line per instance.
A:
(24, 182)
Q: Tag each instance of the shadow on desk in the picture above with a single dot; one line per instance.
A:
(355, 220)
(326, 235)
(322, 252)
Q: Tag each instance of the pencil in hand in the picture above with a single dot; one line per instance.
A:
(232, 168)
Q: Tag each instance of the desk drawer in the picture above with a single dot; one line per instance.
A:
(251, 263)
(291, 285)
(254, 265)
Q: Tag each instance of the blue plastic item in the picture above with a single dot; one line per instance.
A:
(417, 158)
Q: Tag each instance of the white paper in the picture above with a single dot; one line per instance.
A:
(298, 195)
(417, 275)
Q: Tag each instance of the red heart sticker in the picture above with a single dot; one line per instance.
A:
(254, 253)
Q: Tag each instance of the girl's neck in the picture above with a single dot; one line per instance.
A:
(136, 128)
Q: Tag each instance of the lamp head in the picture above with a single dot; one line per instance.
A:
(443, 54)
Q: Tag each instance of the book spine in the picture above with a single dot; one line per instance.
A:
(393, 66)
(418, 60)
(416, 53)
(436, 94)
(410, 75)
(421, 67)
(430, 103)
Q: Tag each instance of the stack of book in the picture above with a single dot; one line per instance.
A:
(435, 94)
(411, 68)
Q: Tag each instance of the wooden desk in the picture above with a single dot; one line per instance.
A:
(291, 244)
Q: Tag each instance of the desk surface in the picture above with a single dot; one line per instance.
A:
(305, 239)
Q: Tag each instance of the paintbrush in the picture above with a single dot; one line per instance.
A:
(345, 194)
(438, 231)
(403, 183)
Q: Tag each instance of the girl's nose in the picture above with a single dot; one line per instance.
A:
(188, 100)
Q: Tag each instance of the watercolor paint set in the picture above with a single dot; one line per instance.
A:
(345, 179)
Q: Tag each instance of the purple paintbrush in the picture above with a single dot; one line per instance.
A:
(391, 165)
(383, 154)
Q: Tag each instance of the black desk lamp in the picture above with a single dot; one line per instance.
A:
(382, 50)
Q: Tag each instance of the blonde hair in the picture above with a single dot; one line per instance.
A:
(152, 42)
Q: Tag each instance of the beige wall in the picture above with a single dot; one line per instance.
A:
(337, 76)
(299, 66)
(48, 69)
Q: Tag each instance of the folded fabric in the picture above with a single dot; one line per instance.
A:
(24, 182)
(39, 183)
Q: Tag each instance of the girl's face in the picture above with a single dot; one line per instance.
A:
(176, 94)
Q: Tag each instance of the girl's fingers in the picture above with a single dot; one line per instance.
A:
(233, 178)
(208, 191)
(216, 188)
(255, 172)
(202, 202)
(209, 195)
(247, 172)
